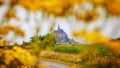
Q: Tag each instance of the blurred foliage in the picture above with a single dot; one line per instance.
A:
(59, 7)
(1, 2)
(102, 50)
(15, 56)
(115, 46)
(51, 6)
(5, 29)
(44, 41)
(3, 42)
(92, 36)
(10, 14)
(87, 16)
(13, 3)
(98, 2)
(113, 7)
(39, 43)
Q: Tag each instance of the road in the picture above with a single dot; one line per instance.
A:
(50, 64)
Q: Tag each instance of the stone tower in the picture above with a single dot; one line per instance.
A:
(61, 36)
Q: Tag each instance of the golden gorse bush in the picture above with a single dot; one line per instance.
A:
(16, 57)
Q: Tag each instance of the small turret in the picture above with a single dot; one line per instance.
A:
(58, 27)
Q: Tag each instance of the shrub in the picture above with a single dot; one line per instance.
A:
(102, 50)
(43, 41)
(100, 56)
(16, 57)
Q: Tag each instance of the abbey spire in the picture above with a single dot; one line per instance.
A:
(62, 37)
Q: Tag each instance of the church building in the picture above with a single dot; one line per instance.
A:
(62, 38)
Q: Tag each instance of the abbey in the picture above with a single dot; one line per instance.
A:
(62, 38)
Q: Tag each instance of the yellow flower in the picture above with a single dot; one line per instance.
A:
(113, 7)
(51, 6)
(2, 42)
(5, 29)
(74, 66)
(91, 36)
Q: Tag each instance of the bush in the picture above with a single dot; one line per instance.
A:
(43, 41)
(100, 56)
(16, 57)
(102, 50)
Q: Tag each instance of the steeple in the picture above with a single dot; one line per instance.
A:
(58, 27)
(62, 37)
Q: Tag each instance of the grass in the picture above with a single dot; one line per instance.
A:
(66, 49)
(71, 48)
